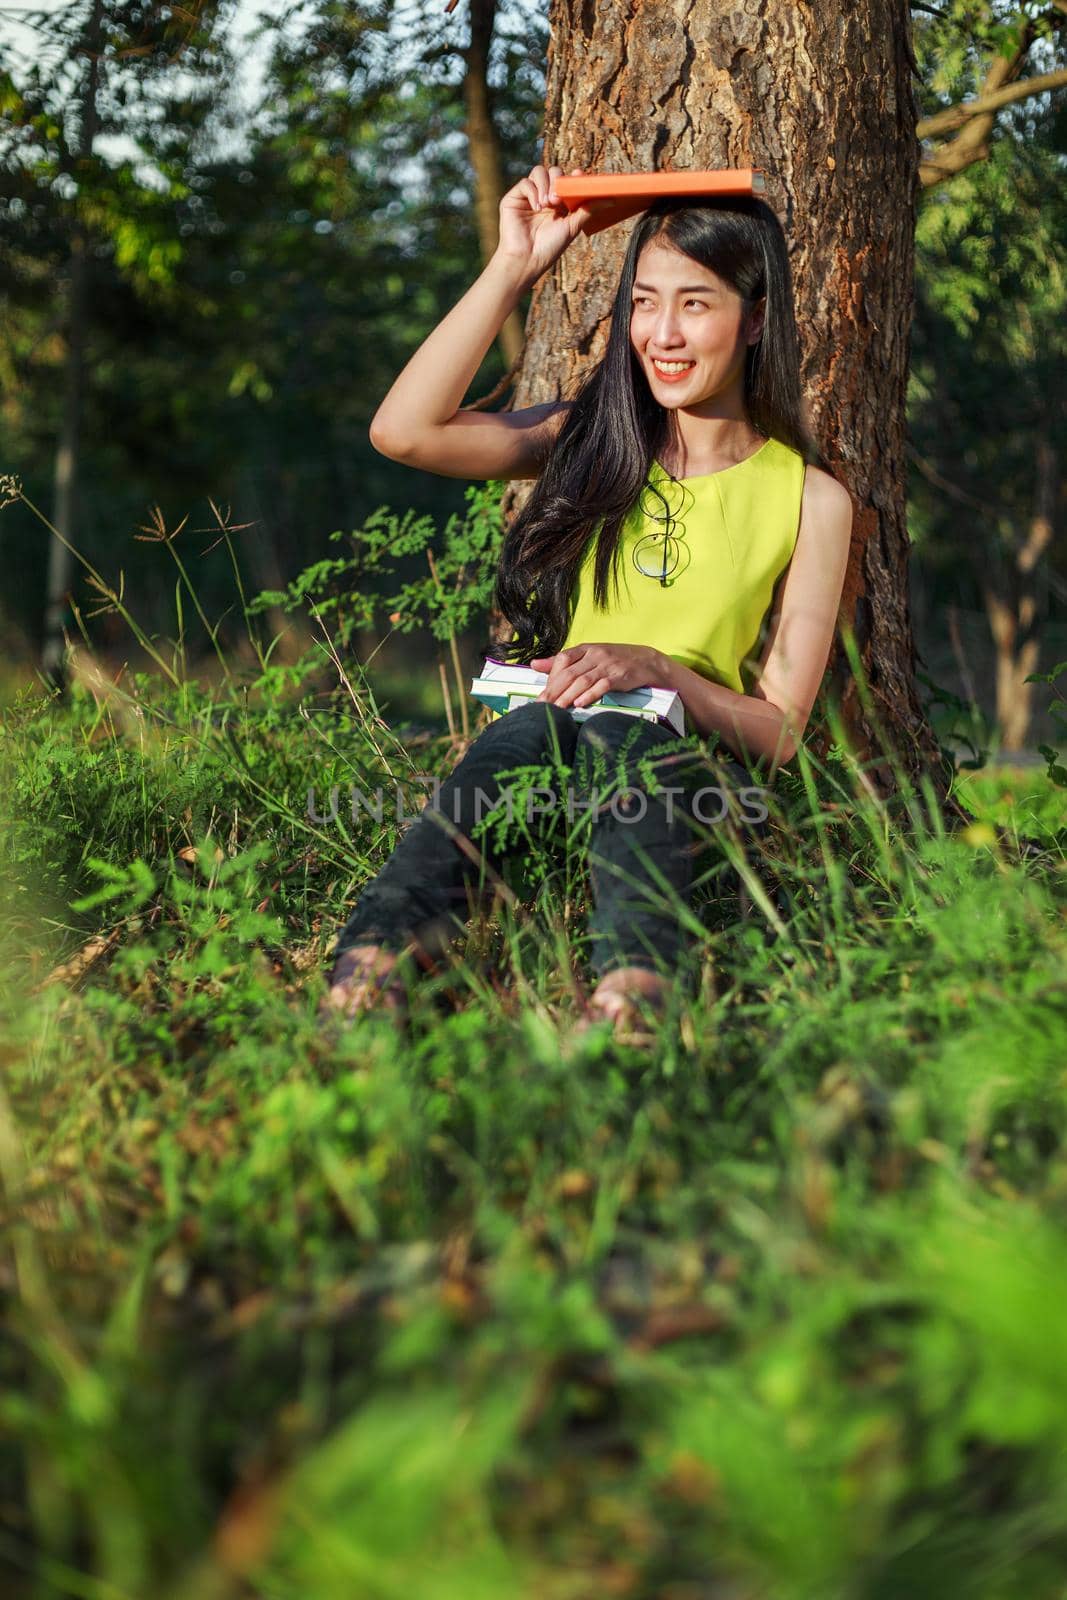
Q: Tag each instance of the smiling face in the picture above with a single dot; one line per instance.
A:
(690, 332)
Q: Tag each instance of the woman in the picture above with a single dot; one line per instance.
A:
(683, 468)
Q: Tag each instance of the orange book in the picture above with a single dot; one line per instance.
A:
(612, 197)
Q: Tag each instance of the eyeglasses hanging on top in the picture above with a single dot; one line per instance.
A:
(656, 555)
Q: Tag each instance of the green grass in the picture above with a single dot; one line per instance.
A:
(1021, 798)
(773, 1309)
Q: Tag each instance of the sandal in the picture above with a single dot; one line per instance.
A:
(634, 1007)
(366, 977)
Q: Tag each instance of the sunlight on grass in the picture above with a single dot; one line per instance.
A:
(494, 1308)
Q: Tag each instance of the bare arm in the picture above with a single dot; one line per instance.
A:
(752, 727)
(419, 421)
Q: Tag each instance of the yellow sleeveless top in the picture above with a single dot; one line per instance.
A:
(734, 534)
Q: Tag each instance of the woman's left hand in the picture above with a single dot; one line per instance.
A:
(584, 672)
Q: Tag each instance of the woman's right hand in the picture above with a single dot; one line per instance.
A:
(535, 227)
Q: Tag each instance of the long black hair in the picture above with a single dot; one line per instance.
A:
(605, 447)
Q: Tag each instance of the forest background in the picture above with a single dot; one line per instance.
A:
(223, 230)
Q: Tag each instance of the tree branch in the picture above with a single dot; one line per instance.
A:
(950, 161)
(931, 474)
(957, 116)
(971, 144)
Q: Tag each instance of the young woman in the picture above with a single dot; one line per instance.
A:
(684, 470)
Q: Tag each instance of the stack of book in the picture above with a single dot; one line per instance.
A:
(503, 687)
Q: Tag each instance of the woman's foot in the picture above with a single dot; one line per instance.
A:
(631, 998)
(364, 976)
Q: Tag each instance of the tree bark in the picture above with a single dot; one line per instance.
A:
(68, 446)
(484, 148)
(820, 96)
(1014, 612)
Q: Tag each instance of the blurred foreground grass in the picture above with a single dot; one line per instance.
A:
(773, 1309)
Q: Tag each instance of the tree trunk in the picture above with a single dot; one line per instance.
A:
(820, 96)
(484, 147)
(1013, 612)
(68, 446)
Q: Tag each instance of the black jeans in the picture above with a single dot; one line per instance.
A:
(646, 840)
